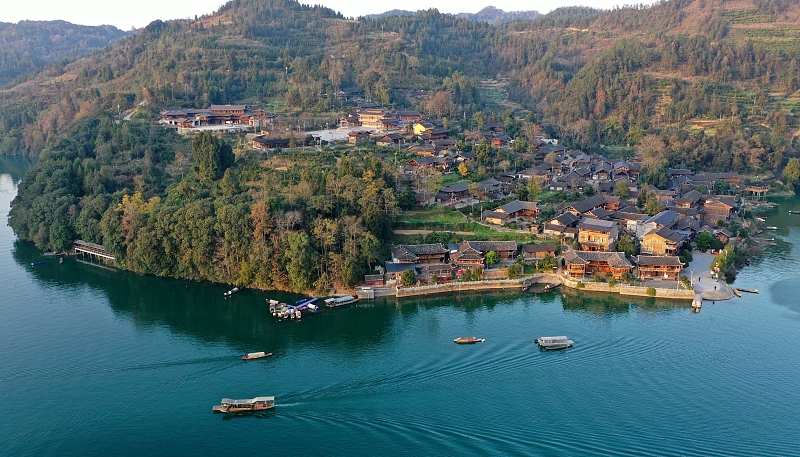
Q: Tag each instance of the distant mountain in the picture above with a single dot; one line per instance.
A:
(489, 14)
(29, 45)
(494, 15)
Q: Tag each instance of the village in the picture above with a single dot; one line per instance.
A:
(616, 230)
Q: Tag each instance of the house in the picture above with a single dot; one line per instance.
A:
(438, 272)
(453, 192)
(391, 139)
(717, 208)
(395, 270)
(358, 137)
(421, 127)
(538, 251)
(441, 163)
(758, 189)
(464, 156)
(408, 115)
(723, 235)
(474, 252)
(688, 200)
(499, 140)
(664, 267)
(372, 118)
(563, 225)
(419, 254)
(494, 217)
(661, 241)
(437, 133)
(597, 235)
(374, 280)
(587, 205)
(445, 144)
(571, 181)
(580, 263)
(518, 209)
(425, 150)
(602, 171)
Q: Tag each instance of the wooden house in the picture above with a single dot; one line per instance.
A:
(661, 241)
(654, 266)
(474, 252)
(581, 263)
(494, 217)
(538, 251)
(358, 137)
(453, 192)
(518, 209)
(391, 139)
(715, 209)
(420, 254)
(597, 235)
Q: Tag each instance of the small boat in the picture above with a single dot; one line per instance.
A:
(551, 286)
(468, 340)
(749, 291)
(794, 212)
(256, 355)
(552, 343)
(231, 292)
(41, 262)
(341, 301)
(249, 405)
(736, 292)
(61, 260)
(771, 228)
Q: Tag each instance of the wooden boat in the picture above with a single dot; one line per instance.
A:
(552, 343)
(749, 291)
(249, 405)
(256, 355)
(341, 301)
(551, 286)
(41, 262)
(736, 292)
(771, 228)
(794, 212)
(468, 340)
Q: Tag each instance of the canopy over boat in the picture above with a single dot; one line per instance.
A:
(247, 401)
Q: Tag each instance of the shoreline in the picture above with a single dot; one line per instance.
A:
(542, 278)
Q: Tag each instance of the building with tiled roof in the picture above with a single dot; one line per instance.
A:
(662, 267)
(597, 235)
(538, 251)
(580, 263)
(662, 241)
(419, 253)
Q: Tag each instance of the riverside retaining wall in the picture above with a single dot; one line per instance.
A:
(624, 289)
(476, 285)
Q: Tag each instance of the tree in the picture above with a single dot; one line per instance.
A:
(622, 190)
(625, 244)
(408, 278)
(462, 168)
(791, 174)
(703, 240)
(300, 257)
(534, 190)
(653, 205)
(491, 259)
(211, 155)
(440, 104)
(720, 187)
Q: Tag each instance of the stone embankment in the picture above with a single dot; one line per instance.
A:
(624, 289)
(501, 284)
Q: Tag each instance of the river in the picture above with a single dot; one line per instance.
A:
(102, 362)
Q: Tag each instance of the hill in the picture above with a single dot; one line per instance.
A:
(591, 77)
(29, 45)
(489, 14)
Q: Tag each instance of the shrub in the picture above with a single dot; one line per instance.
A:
(651, 292)
(612, 282)
(580, 285)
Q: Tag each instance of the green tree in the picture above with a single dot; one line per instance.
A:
(625, 244)
(720, 187)
(212, 156)
(703, 240)
(300, 257)
(622, 190)
(533, 190)
(408, 278)
(491, 259)
(791, 174)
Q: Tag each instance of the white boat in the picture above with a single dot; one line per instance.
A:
(248, 405)
(552, 343)
(341, 301)
(771, 228)
(231, 292)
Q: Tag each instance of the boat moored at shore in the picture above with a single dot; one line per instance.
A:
(249, 405)
(340, 301)
(552, 343)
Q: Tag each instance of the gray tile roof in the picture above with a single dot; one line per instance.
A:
(658, 261)
(614, 259)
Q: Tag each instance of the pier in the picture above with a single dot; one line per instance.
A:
(94, 250)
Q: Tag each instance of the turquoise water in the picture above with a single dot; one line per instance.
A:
(102, 362)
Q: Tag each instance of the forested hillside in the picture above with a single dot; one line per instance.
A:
(29, 45)
(595, 77)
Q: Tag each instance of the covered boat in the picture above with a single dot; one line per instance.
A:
(248, 405)
(468, 340)
(551, 343)
(256, 355)
(341, 301)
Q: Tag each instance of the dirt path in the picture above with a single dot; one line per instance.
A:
(425, 232)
